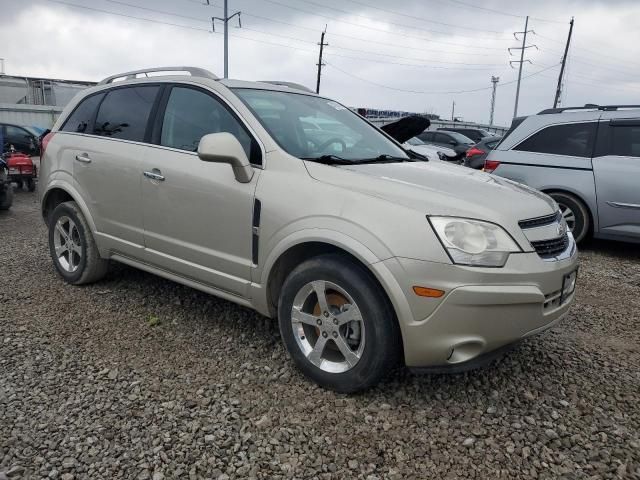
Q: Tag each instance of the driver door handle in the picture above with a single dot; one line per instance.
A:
(154, 175)
(84, 158)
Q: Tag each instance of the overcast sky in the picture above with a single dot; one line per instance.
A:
(417, 55)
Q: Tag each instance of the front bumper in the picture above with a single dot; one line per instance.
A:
(482, 310)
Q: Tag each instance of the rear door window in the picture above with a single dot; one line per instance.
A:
(624, 140)
(82, 117)
(124, 113)
(191, 114)
(573, 139)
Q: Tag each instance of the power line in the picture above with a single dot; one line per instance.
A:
(417, 65)
(377, 42)
(415, 17)
(289, 37)
(501, 12)
(453, 92)
(401, 25)
(378, 29)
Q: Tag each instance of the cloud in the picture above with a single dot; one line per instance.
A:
(369, 47)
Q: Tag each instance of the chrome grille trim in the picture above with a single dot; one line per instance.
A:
(540, 221)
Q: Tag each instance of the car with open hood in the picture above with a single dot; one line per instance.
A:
(366, 255)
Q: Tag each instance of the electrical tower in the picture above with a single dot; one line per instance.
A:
(495, 81)
(564, 62)
(225, 21)
(320, 64)
(522, 59)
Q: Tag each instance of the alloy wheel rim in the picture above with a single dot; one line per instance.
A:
(67, 244)
(328, 326)
(569, 216)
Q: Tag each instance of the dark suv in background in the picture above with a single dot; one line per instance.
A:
(453, 140)
(475, 134)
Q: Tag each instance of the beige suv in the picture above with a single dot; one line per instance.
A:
(287, 202)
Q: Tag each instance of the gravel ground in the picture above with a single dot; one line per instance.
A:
(138, 377)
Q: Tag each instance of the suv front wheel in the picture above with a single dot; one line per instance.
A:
(337, 325)
(72, 247)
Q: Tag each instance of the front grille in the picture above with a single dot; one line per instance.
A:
(539, 221)
(551, 248)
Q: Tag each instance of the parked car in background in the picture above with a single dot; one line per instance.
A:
(453, 140)
(364, 254)
(432, 152)
(405, 130)
(475, 134)
(477, 154)
(587, 158)
(6, 189)
(23, 138)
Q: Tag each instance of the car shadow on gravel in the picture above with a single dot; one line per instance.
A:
(204, 321)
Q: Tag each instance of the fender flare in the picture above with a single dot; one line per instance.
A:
(74, 194)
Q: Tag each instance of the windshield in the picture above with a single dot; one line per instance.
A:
(312, 127)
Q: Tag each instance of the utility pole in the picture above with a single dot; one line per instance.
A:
(453, 111)
(495, 81)
(564, 61)
(522, 60)
(320, 64)
(225, 20)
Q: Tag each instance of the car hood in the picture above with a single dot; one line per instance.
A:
(438, 188)
(406, 128)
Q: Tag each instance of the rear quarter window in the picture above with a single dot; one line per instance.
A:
(572, 139)
(82, 116)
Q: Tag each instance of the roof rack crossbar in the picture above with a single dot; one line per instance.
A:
(297, 86)
(193, 71)
(588, 106)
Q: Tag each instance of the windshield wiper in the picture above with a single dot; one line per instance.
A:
(385, 159)
(330, 160)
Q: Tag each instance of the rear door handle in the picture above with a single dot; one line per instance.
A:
(84, 158)
(154, 175)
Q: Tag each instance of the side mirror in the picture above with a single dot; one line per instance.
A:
(225, 148)
(452, 142)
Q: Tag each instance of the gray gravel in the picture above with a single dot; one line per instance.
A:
(137, 377)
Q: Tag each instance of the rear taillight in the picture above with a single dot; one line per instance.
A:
(44, 143)
(474, 151)
(490, 165)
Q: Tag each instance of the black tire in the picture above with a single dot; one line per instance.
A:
(31, 184)
(580, 226)
(6, 197)
(91, 267)
(382, 341)
(19, 184)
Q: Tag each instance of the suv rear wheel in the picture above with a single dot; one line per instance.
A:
(337, 325)
(575, 213)
(72, 247)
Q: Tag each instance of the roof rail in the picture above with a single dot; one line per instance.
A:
(194, 71)
(297, 86)
(588, 106)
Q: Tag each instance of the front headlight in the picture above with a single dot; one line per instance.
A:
(474, 242)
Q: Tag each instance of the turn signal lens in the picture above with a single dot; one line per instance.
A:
(428, 292)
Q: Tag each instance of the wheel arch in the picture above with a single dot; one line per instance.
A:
(593, 219)
(57, 194)
(295, 254)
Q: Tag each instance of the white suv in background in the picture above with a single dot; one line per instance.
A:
(587, 158)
